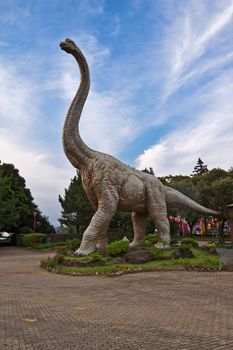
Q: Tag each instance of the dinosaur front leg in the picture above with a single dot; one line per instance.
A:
(139, 227)
(99, 224)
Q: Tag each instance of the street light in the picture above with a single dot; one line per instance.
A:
(34, 226)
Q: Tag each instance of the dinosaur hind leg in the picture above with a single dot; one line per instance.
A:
(139, 227)
(101, 241)
(96, 231)
(158, 211)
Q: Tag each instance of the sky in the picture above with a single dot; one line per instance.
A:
(161, 86)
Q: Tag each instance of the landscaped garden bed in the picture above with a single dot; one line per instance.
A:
(120, 259)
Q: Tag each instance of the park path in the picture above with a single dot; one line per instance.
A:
(154, 310)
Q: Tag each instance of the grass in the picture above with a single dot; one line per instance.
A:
(51, 245)
(163, 261)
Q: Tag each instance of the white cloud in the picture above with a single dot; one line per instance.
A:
(208, 136)
(198, 54)
(18, 115)
(45, 180)
(16, 98)
(196, 30)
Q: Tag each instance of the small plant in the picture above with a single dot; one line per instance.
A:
(51, 263)
(151, 239)
(32, 238)
(48, 245)
(183, 251)
(118, 248)
(72, 244)
(97, 257)
(190, 242)
(174, 241)
(209, 246)
(25, 230)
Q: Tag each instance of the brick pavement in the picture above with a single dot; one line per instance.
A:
(154, 310)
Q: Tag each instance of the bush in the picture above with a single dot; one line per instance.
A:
(51, 263)
(183, 252)
(209, 246)
(152, 238)
(189, 242)
(174, 241)
(25, 230)
(32, 238)
(73, 244)
(97, 257)
(118, 248)
(48, 245)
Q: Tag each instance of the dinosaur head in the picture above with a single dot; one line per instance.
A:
(68, 46)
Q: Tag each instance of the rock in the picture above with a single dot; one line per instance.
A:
(120, 260)
(182, 252)
(80, 263)
(162, 245)
(212, 251)
(139, 257)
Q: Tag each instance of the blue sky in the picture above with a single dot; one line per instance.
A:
(161, 86)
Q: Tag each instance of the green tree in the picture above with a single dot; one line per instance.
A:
(76, 209)
(16, 202)
(216, 189)
(200, 168)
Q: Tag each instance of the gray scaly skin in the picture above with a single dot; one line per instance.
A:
(111, 185)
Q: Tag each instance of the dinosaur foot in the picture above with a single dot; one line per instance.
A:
(136, 244)
(84, 251)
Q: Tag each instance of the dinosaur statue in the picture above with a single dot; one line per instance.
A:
(111, 185)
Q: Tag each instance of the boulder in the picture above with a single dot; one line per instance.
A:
(183, 252)
(80, 263)
(139, 257)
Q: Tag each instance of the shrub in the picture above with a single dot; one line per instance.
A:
(51, 263)
(97, 257)
(48, 245)
(189, 242)
(209, 246)
(174, 241)
(25, 230)
(72, 244)
(183, 252)
(118, 248)
(32, 238)
(152, 238)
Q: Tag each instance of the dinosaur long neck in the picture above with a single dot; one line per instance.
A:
(75, 149)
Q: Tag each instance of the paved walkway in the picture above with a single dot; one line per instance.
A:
(159, 310)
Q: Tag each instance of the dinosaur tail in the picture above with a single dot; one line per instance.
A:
(177, 199)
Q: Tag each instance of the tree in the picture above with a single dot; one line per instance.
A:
(216, 189)
(200, 168)
(76, 209)
(16, 202)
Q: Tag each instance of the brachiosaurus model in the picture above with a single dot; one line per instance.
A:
(111, 185)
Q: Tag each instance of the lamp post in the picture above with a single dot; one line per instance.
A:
(34, 226)
(230, 213)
